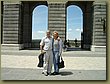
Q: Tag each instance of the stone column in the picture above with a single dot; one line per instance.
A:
(26, 25)
(57, 18)
(99, 21)
(87, 22)
(10, 36)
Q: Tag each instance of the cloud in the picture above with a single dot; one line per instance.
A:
(41, 32)
(78, 30)
(81, 30)
(70, 29)
(38, 34)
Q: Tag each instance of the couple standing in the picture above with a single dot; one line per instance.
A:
(53, 48)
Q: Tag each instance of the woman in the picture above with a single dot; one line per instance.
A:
(57, 50)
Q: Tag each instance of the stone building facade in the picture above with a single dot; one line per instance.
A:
(17, 22)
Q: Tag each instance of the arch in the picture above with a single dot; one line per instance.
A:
(27, 8)
(86, 7)
(39, 21)
(80, 5)
(34, 4)
(74, 21)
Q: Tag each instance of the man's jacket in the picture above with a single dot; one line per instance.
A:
(41, 60)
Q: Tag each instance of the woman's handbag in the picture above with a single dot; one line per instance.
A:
(61, 64)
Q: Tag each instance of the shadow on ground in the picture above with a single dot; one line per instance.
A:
(65, 73)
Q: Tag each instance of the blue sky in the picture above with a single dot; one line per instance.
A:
(73, 26)
(74, 22)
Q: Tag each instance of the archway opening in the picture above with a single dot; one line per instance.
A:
(74, 27)
(39, 24)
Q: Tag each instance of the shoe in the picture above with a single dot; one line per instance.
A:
(55, 73)
(45, 73)
(42, 72)
(49, 73)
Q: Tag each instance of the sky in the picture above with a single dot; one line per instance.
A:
(74, 22)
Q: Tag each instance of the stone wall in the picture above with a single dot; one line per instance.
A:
(56, 19)
(17, 22)
(99, 26)
(10, 23)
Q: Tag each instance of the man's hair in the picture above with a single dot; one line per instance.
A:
(48, 31)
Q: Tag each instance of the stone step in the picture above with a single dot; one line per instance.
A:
(10, 47)
(19, 52)
(100, 49)
(37, 52)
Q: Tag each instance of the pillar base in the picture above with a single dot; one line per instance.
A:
(98, 48)
(11, 46)
(15, 46)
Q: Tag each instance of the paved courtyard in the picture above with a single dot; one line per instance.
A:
(79, 65)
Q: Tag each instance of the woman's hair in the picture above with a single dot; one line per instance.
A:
(56, 33)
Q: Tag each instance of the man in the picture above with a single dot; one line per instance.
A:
(46, 46)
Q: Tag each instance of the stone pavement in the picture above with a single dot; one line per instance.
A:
(65, 74)
(79, 65)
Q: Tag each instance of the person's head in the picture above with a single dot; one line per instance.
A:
(55, 34)
(48, 33)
